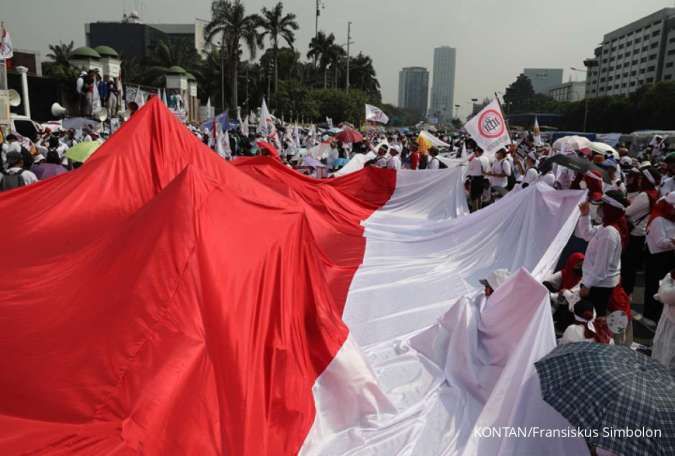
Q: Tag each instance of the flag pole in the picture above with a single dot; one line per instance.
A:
(506, 121)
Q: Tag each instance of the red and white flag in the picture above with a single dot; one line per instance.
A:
(488, 128)
(245, 309)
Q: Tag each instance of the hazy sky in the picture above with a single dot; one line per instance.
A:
(495, 39)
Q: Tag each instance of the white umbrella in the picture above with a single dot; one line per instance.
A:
(569, 144)
(602, 148)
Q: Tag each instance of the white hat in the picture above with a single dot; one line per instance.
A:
(530, 176)
(548, 179)
(496, 278)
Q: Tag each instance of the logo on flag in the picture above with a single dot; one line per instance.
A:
(491, 124)
(488, 128)
(375, 114)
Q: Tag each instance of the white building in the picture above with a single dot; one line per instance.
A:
(443, 85)
(640, 53)
(569, 91)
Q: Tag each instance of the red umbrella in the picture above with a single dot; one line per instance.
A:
(349, 135)
(268, 149)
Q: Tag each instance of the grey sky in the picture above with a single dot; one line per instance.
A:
(495, 39)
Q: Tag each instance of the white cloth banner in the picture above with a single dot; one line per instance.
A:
(429, 364)
(375, 114)
(488, 128)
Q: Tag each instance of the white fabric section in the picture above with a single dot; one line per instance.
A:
(355, 164)
(426, 360)
(423, 198)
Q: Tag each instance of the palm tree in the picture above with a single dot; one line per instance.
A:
(322, 48)
(230, 22)
(275, 25)
(337, 57)
(60, 53)
(166, 55)
(362, 74)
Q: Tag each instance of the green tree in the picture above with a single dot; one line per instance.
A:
(362, 75)
(232, 25)
(276, 25)
(322, 48)
(60, 53)
(519, 94)
(165, 55)
(59, 67)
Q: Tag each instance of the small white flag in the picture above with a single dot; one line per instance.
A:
(488, 129)
(265, 123)
(375, 114)
(536, 133)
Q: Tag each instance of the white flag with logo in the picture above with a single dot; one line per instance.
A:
(375, 114)
(488, 129)
(6, 47)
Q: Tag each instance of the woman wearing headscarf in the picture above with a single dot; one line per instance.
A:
(564, 288)
(661, 247)
(601, 271)
(646, 183)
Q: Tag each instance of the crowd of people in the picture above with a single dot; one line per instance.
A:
(626, 227)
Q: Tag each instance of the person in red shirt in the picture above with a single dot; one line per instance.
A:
(414, 156)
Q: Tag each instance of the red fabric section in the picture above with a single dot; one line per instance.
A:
(159, 300)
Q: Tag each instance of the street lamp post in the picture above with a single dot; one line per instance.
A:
(585, 99)
(349, 43)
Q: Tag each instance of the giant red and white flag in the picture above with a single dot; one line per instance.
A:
(489, 129)
(208, 307)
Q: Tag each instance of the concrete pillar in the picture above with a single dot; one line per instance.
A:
(23, 71)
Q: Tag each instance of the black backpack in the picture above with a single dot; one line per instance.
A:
(511, 178)
(11, 181)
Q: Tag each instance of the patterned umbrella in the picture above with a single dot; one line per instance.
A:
(349, 135)
(609, 391)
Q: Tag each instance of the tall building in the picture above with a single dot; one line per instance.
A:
(443, 86)
(639, 53)
(544, 79)
(413, 89)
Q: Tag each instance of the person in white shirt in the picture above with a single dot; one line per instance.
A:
(668, 183)
(641, 202)
(663, 348)
(15, 166)
(382, 151)
(395, 161)
(601, 271)
(499, 174)
(661, 247)
(434, 162)
(479, 166)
